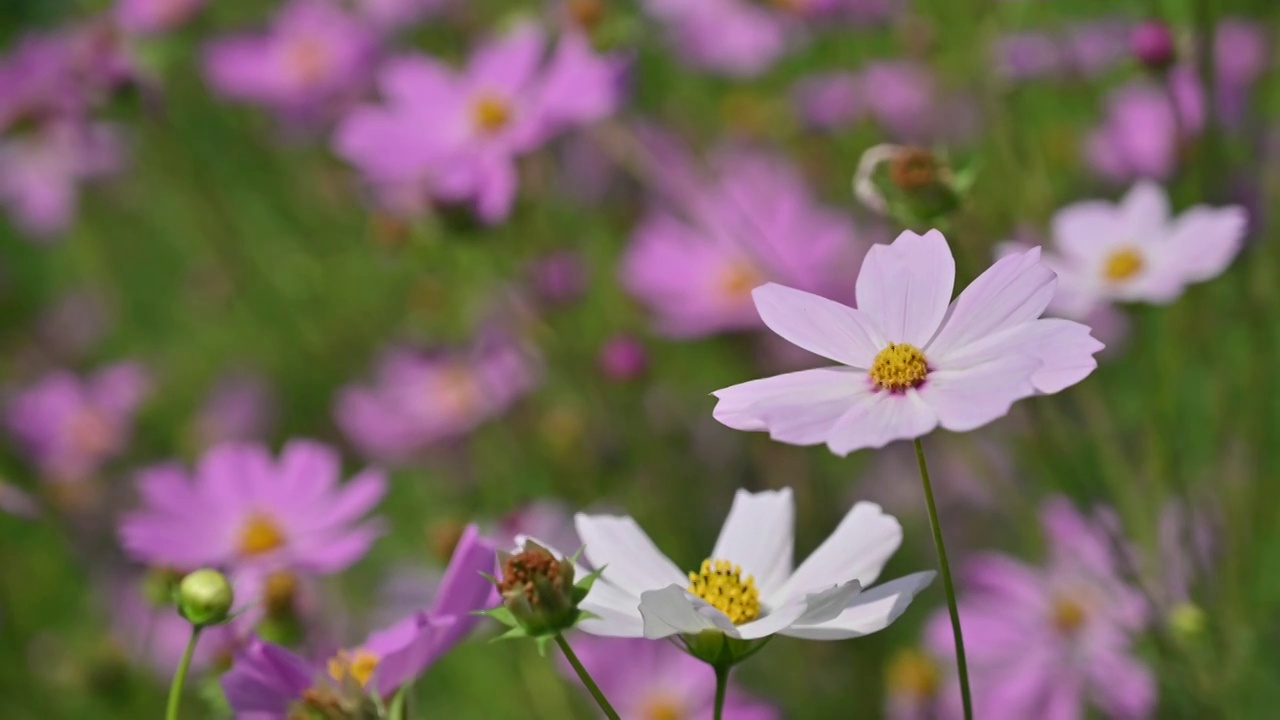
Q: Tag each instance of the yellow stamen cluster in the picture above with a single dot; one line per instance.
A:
(309, 59)
(898, 367)
(1068, 616)
(490, 113)
(663, 708)
(1123, 264)
(912, 673)
(738, 279)
(720, 583)
(259, 535)
(356, 664)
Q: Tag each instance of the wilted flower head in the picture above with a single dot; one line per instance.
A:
(70, 426)
(654, 680)
(1135, 251)
(456, 134)
(314, 57)
(1049, 641)
(912, 359)
(696, 258)
(418, 400)
(245, 511)
(155, 16)
(41, 171)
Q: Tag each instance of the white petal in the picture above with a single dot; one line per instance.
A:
(879, 418)
(974, 396)
(869, 611)
(1015, 290)
(629, 558)
(1084, 230)
(759, 535)
(1145, 211)
(819, 325)
(825, 605)
(905, 287)
(777, 620)
(857, 550)
(674, 611)
(1064, 348)
(799, 408)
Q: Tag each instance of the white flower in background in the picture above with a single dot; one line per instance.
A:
(747, 589)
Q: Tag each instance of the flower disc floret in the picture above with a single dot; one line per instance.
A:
(898, 367)
(720, 583)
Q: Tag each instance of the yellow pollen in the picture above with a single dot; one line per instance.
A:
(1068, 616)
(357, 665)
(663, 708)
(1123, 264)
(738, 279)
(898, 367)
(490, 113)
(912, 673)
(720, 583)
(259, 535)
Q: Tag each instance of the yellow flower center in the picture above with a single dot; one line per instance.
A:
(490, 113)
(912, 673)
(720, 583)
(356, 664)
(1068, 616)
(259, 535)
(1123, 264)
(898, 367)
(663, 708)
(309, 60)
(738, 279)
(456, 390)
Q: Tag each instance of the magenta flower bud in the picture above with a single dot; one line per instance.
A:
(623, 358)
(1153, 45)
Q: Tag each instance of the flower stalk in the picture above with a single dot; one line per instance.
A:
(180, 677)
(590, 684)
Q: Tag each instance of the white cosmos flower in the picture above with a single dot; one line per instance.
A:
(642, 593)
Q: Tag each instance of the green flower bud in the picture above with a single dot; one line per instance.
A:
(538, 589)
(204, 597)
(1187, 620)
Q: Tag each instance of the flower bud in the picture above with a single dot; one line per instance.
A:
(537, 587)
(1153, 45)
(912, 185)
(204, 597)
(623, 358)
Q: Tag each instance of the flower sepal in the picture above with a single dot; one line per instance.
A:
(720, 650)
(539, 596)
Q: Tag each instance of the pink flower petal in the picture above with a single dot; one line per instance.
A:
(970, 398)
(1015, 290)
(879, 418)
(1144, 210)
(1203, 241)
(1064, 348)
(798, 408)
(819, 325)
(905, 287)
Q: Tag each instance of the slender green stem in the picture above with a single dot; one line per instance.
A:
(962, 665)
(180, 677)
(585, 677)
(722, 688)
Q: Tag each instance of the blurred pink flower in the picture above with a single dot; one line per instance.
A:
(457, 135)
(548, 521)
(734, 37)
(155, 16)
(646, 679)
(1143, 129)
(418, 400)
(912, 359)
(397, 15)
(69, 427)
(558, 278)
(251, 514)
(1028, 55)
(155, 636)
(41, 171)
(830, 100)
(38, 81)
(314, 58)
(1044, 642)
(240, 406)
(695, 259)
(623, 357)
(1135, 251)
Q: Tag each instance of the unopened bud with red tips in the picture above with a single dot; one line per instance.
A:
(539, 596)
(1153, 45)
(204, 597)
(912, 185)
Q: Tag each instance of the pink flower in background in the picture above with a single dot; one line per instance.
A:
(240, 407)
(1242, 53)
(313, 59)
(38, 81)
(418, 400)
(830, 100)
(549, 521)
(155, 636)
(68, 426)
(243, 510)
(1028, 55)
(1141, 133)
(644, 679)
(1046, 642)
(155, 16)
(270, 680)
(733, 37)
(695, 259)
(1136, 251)
(623, 358)
(394, 15)
(457, 134)
(912, 359)
(41, 172)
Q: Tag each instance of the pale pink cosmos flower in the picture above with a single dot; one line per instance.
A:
(1136, 250)
(912, 360)
(41, 172)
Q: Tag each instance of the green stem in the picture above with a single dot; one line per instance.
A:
(180, 677)
(722, 687)
(585, 677)
(962, 665)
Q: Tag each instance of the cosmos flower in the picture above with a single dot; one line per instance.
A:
(391, 15)
(70, 426)
(649, 681)
(696, 258)
(457, 134)
(270, 680)
(312, 59)
(1141, 133)
(1047, 641)
(245, 511)
(41, 172)
(1136, 251)
(418, 400)
(155, 16)
(830, 100)
(732, 37)
(911, 359)
(747, 589)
